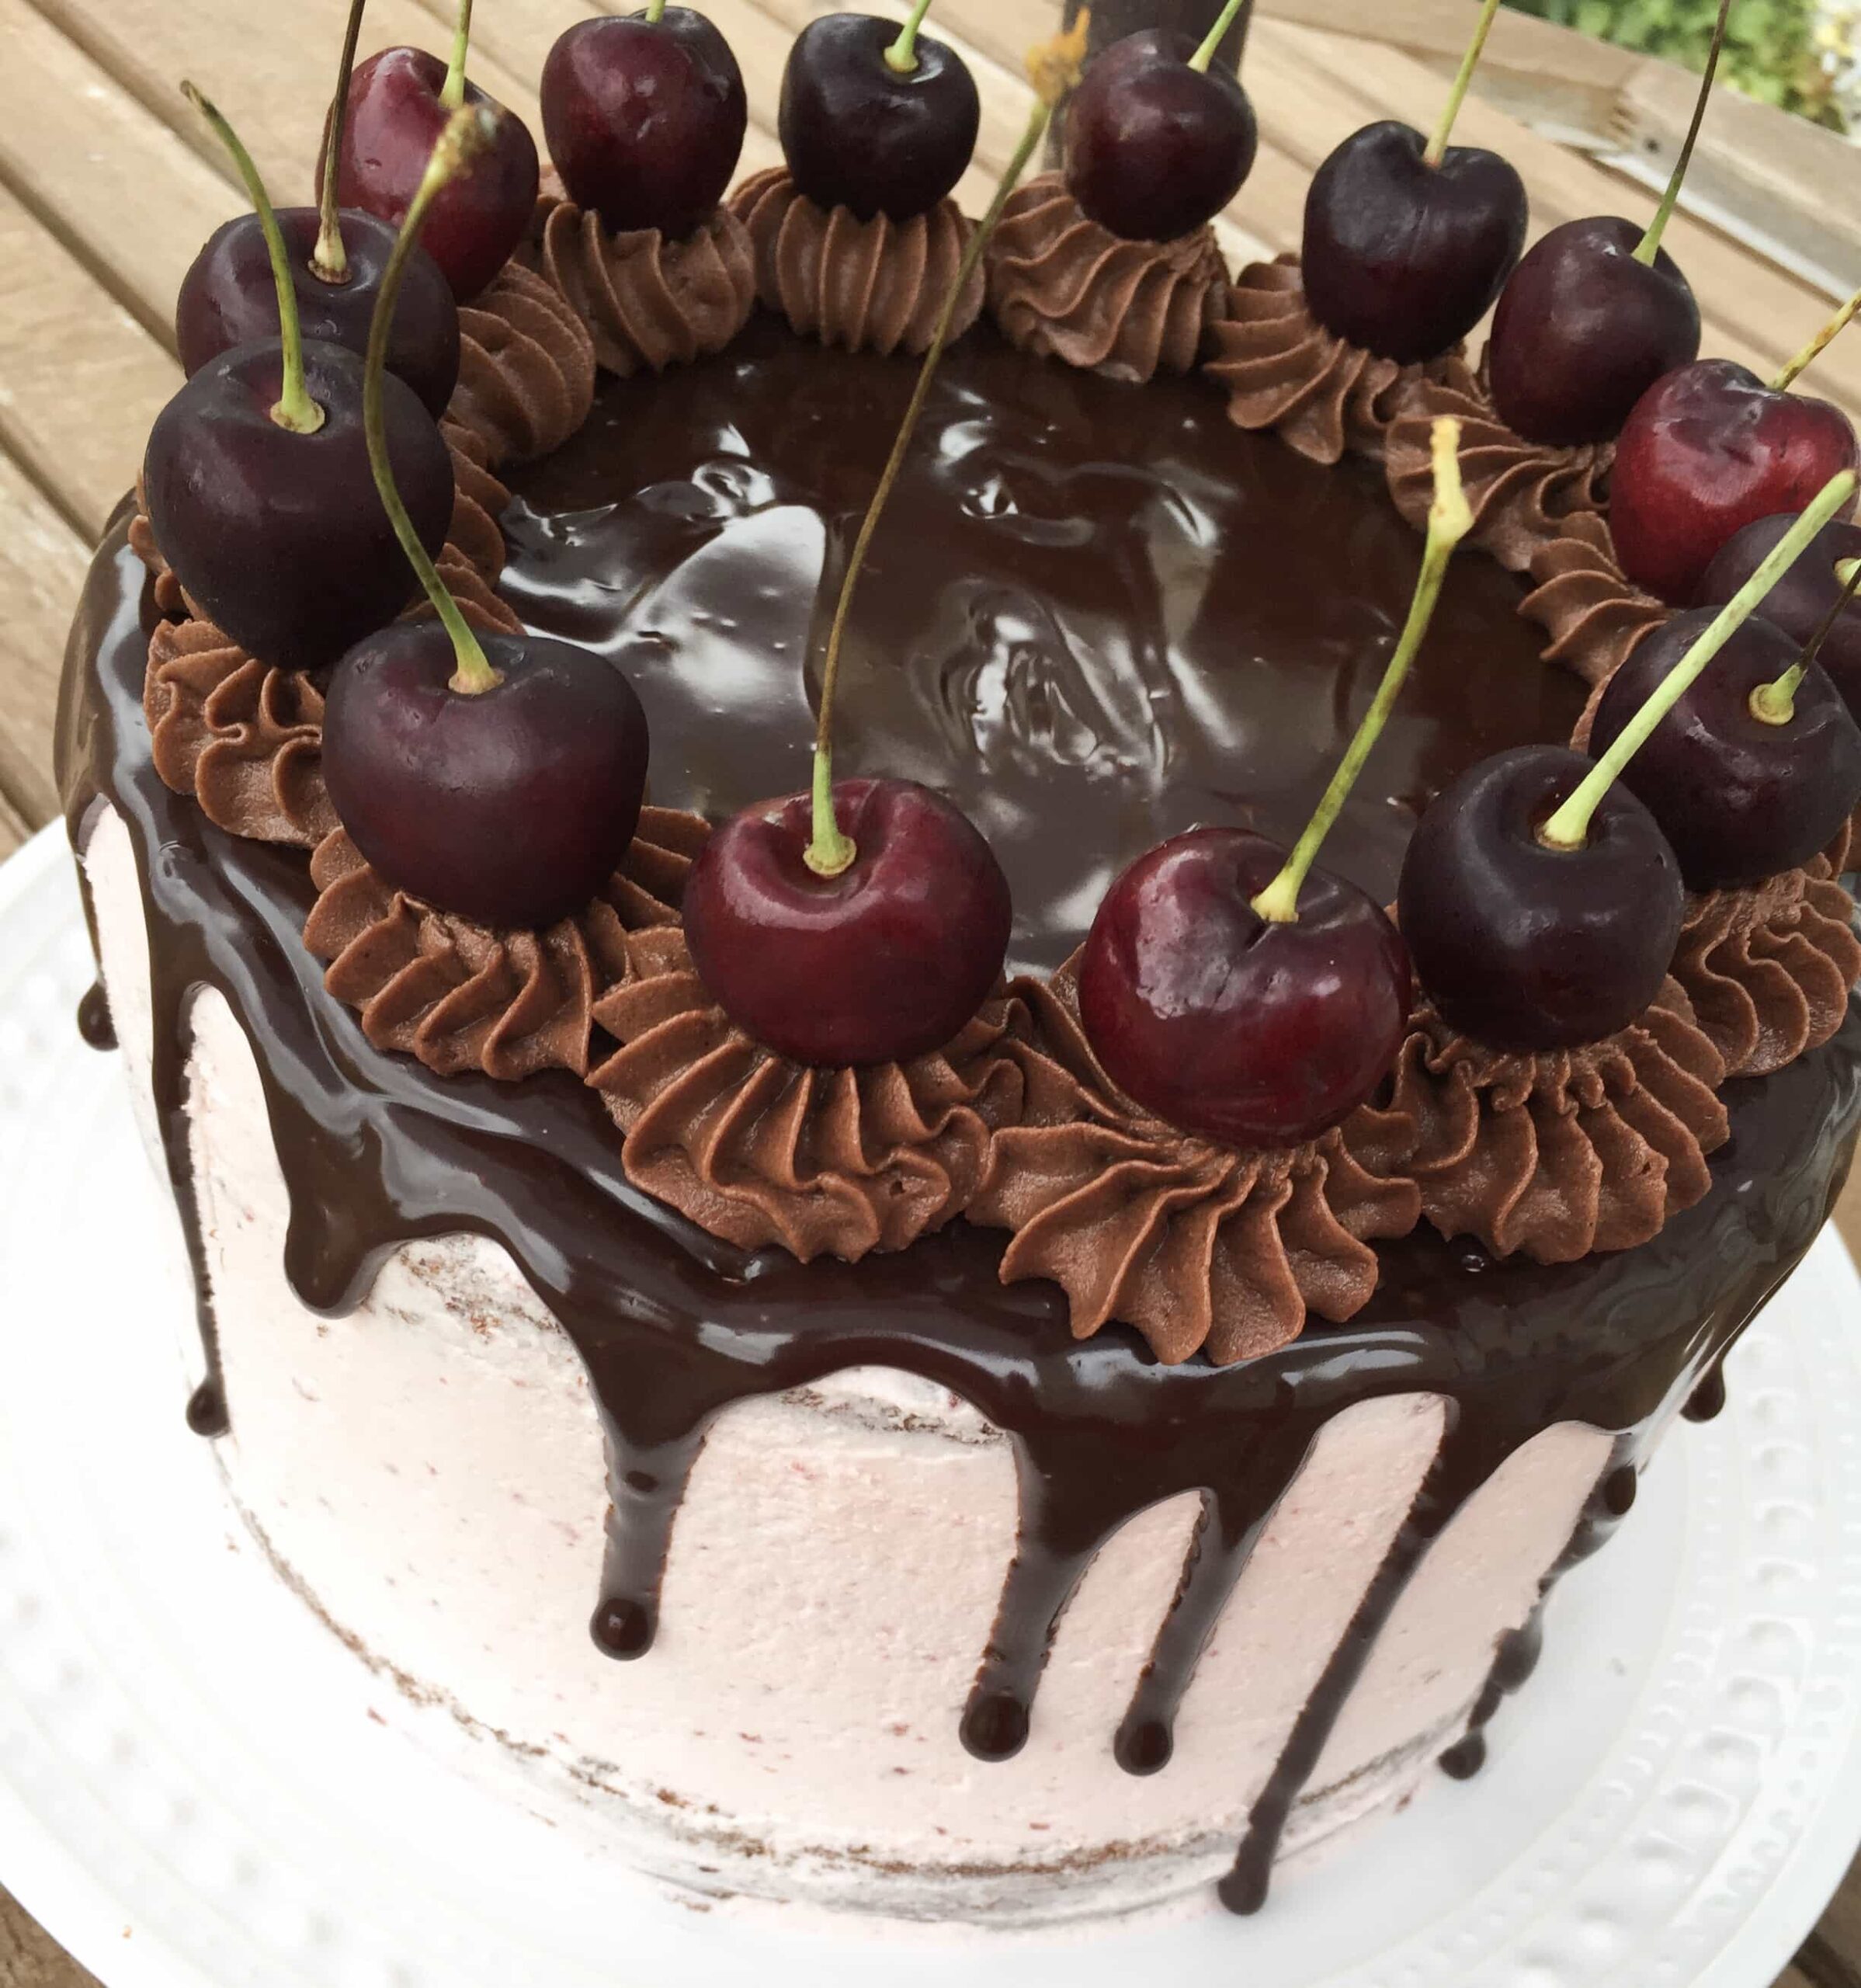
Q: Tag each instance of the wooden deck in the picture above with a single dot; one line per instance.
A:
(107, 189)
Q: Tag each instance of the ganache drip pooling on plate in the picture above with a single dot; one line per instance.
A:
(1062, 695)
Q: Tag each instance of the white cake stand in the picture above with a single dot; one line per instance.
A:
(193, 1790)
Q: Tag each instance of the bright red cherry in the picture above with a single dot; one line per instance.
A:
(886, 961)
(1809, 589)
(1156, 147)
(1739, 798)
(1228, 1024)
(1528, 947)
(229, 296)
(395, 117)
(1584, 329)
(1708, 448)
(862, 133)
(644, 116)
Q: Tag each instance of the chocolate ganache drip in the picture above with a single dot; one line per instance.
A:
(1284, 372)
(1060, 285)
(876, 285)
(1063, 503)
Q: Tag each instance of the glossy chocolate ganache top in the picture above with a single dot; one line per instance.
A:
(1095, 614)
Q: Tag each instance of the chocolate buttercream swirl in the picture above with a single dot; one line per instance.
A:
(1522, 494)
(649, 302)
(1284, 371)
(459, 996)
(1769, 970)
(526, 368)
(1202, 1247)
(759, 1150)
(244, 739)
(1060, 285)
(866, 286)
(478, 501)
(170, 596)
(1580, 597)
(1555, 1155)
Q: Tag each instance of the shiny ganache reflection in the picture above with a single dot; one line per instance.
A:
(1095, 614)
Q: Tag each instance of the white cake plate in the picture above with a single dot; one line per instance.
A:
(196, 1792)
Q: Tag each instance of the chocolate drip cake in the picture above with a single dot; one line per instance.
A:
(992, 1501)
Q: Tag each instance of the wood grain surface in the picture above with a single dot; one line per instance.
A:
(107, 187)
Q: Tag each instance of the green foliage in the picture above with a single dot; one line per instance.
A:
(1769, 53)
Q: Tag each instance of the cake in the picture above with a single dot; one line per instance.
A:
(960, 1572)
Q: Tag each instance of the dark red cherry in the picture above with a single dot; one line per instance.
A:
(860, 134)
(1523, 946)
(1583, 330)
(229, 297)
(510, 806)
(1402, 257)
(1243, 1030)
(645, 119)
(394, 117)
(281, 537)
(884, 962)
(1737, 798)
(1710, 449)
(1154, 147)
(1800, 602)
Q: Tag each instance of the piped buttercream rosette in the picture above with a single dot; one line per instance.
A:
(1201, 1247)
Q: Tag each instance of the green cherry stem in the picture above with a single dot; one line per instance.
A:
(902, 55)
(329, 261)
(1649, 246)
(1444, 125)
(1212, 41)
(655, 11)
(1811, 351)
(467, 132)
(452, 92)
(1569, 827)
(1450, 520)
(1055, 68)
(1775, 704)
(294, 408)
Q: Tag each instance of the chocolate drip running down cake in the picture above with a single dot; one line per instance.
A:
(915, 1590)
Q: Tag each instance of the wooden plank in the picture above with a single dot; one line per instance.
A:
(270, 69)
(28, 1957)
(80, 379)
(42, 567)
(115, 184)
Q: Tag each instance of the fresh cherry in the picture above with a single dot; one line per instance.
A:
(885, 961)
(279, 536)
(1707, 450)
(394, 116)
(229, 297)
(1227, 1023)
(861, 133)
(644, 116)
(1803, 598)
(511, 805)
(1523, 946)
(1156, 147)
(1583, 330)
(1401, 256)
(1738, 797)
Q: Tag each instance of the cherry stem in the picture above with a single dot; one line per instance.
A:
(1815, 346)
(294, 408)
(1450, 520)
(1212, 41)
(1649, 246)
(1437, 145)
(1775, 704)
(467, 132)
(655, 12)
(1055, 67)
(329, 261)
(902, 55)
(1569, 827)
(452, 92)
